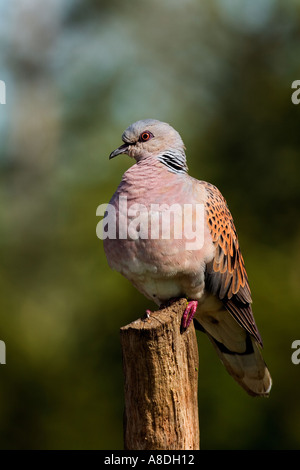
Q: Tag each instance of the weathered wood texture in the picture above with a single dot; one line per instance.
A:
(161, 382)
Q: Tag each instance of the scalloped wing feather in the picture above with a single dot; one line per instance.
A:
(226, 275)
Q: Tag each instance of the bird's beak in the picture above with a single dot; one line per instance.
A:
(122, 149)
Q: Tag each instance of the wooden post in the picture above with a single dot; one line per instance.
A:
(161, 382)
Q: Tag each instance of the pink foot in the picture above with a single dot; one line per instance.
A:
(147, 315)
(189, 314)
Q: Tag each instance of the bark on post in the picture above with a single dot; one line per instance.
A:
(161, 382)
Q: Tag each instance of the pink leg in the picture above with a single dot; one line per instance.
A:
(189, 314)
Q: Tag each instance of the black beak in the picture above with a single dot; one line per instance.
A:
(122, 149)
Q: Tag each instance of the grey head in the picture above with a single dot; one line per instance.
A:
(151, 138)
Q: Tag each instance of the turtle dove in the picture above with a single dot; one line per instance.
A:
(211, 276)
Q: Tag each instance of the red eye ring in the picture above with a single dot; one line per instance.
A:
(146, 135)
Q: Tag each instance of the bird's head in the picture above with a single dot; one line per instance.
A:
(152, 138)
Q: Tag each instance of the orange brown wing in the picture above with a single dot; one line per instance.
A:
(226, 275)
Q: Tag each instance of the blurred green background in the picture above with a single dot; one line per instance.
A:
(77, 73)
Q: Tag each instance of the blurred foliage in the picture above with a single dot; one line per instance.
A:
(77, 74)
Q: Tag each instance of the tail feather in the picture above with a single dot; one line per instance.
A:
(238, 350)
(248, 368)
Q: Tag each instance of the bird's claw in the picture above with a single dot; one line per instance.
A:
(147, 315)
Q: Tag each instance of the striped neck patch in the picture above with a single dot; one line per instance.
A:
(174, 160)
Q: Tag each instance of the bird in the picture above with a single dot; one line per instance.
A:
(212, 276)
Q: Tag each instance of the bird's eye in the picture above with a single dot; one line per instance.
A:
(146, 135)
